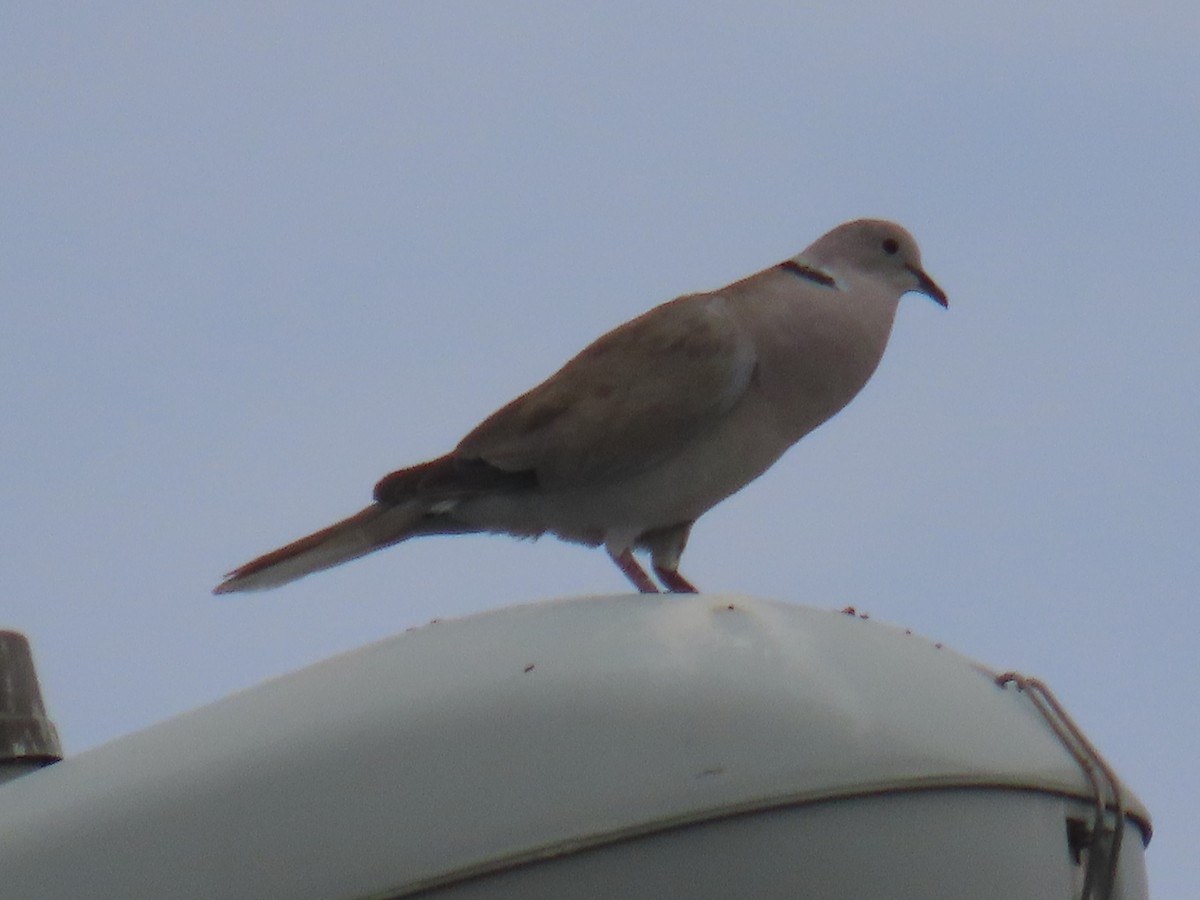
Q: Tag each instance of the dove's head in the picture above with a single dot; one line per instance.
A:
(878, 249)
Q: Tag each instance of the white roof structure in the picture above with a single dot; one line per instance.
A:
(477, 749)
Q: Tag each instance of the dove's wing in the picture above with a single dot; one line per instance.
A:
(626, 402)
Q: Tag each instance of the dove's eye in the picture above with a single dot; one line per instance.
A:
(890, 245)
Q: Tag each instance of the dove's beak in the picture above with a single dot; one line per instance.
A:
(929, 287)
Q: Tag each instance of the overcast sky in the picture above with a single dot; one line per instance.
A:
(254, 257)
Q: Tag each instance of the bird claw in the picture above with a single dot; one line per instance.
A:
(674, 582)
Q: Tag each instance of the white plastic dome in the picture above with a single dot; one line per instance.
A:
(624, 746)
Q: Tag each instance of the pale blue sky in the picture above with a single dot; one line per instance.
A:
(253, 258)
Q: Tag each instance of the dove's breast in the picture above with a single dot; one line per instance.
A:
(816, 347)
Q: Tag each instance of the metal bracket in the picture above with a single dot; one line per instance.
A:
(1103, 844)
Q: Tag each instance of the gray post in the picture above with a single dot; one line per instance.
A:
(28, 740)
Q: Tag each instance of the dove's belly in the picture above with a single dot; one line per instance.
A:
(680, 489)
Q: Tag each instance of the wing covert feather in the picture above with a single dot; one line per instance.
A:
(627, 401)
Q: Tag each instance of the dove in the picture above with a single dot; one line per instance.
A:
(654, 423)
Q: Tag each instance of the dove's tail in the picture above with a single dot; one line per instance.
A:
(418, 500)
(377, 526)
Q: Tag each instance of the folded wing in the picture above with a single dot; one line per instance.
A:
(625, 403)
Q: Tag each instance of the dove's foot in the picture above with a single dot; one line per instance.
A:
(674, 582)
(670, 577)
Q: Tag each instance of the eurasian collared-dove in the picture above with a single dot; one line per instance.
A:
(654, 423)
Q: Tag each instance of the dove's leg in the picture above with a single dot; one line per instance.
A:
(635, 573)
(666, 547)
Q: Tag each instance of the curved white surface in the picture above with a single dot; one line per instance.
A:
(526, 732)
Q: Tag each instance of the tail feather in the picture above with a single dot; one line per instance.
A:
(375, 527)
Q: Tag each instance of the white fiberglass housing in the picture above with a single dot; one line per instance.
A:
(710, 746)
